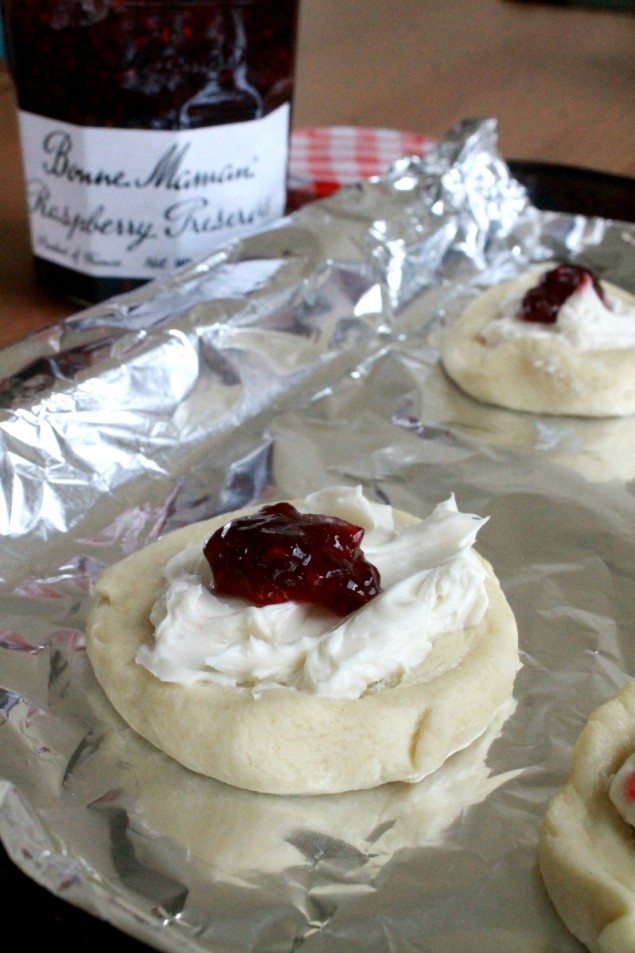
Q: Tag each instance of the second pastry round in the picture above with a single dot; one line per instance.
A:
(540, 375)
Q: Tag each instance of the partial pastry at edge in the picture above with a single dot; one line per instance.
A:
(587, 847)
(281, 738)
(525, 346)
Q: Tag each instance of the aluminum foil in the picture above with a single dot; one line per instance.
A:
(299, 358)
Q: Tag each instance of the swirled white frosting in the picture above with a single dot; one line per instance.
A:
(432, 584)
(617, 791)
(583, 321)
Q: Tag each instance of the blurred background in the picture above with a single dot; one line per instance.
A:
(560, 79)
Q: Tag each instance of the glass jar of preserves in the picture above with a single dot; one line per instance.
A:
(152, 131)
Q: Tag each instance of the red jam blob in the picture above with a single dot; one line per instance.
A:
(542, 303)
(279, 554)
(629, 786)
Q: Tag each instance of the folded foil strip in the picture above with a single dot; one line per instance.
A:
(302, 357)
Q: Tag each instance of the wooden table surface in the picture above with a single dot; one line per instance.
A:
(559, 80)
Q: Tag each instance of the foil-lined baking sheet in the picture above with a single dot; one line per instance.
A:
(299, 358)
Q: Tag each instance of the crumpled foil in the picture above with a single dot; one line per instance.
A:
(303, 357)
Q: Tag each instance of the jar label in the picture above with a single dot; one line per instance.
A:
(134, 203)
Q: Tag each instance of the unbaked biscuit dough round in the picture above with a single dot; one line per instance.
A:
(587, 852)
(544, 376)
(285, 741)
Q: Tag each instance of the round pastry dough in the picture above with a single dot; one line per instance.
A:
(587, 852)
(284, 741)
(535, 374)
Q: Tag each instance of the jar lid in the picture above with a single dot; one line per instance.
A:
(325, 158)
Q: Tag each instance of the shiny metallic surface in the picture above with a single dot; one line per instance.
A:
(303, 357)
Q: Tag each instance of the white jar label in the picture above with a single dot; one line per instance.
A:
(137, 202)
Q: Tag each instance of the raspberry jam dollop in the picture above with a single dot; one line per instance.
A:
(278, 555)
(629, 787)
(542, 303)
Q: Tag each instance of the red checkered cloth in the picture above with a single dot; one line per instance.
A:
(324, 159)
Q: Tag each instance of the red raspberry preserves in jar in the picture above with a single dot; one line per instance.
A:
(542, 303)
(278, 555)
(141, 65)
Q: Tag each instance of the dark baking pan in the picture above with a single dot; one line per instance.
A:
(564, 188)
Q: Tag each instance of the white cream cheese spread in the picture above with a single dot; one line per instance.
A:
(583, 321)
(432, 584)
(622, 790)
